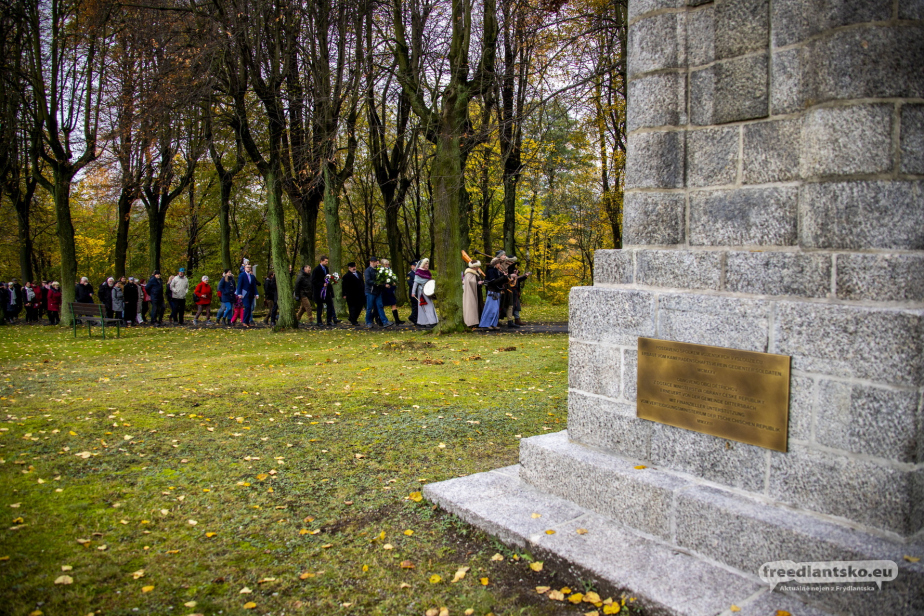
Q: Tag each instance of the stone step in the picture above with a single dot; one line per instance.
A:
(665, 580)
(732, 529)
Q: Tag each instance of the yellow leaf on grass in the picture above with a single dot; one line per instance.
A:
(262, 476)
(408, 532)
(2, 558)
(147, 588)
(327, 545)
(210, 534)
(64, 580)
(444, 611)
(593, 613)
(911, 559)
(138, 574)
(250, 605)
(565, 590)
(543, 589)
(415, 496)
(432, 612)
(266, 580)
(613, 608)
(582, 531)
(405, 585)
(406, 564)
(556, 595)
(190, 604)
(435, 579)
(497, 557)
(469, 612)
(591, 597)
(576, 598)
(306, 575)
(365, 568)
(245, 591)
(535, 566)
(484, 581)
(388, 546)
(66, 568)
(72, 433)
(460, 574)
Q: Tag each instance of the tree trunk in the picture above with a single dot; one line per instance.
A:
(332, 187)
(446, 174)
(510, 210)
(393, 235)
(224, 221)
(62, 198)
(23, 204)
(276, 219)
(121, 246)
(156, 220)
(308, 212)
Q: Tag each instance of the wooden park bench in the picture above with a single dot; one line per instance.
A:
(93, 314)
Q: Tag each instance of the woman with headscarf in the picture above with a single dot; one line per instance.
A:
(426, 311)
(203, 296)
(495, 281)
(117, 299)
(470, 281)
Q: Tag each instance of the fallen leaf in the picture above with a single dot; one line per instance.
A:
(191, 522)
(576, 598)
(347, 604)
(484, 581)
(327, 545)
(83, 541)
(210, 534)
(593, 613)
(565, 590)
(347, 502)
(262, 476)
(911, 559)
(432, 612)
(469, 612)
(358, 456)
(406, 564)
(190, 604)
(556, 595)
(782, 613)
(497, 557)
(591, 597)
(138, 574)
(536, 516)
(64, 580)
(543, 589)
(550, 532)
(250, 605)
(306, 575)
(640, 466)
(613, 608)
(147, 588)
(388, 546)
(734, 608)
(582, 531)
(460, 574)
(408, 532)
(83, 454)
(435, 579)
(415, 496)
(245, 591)
(444, 611)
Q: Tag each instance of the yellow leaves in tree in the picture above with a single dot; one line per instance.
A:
(435, 579)
(415, 496)
(460, 574)
(536, 566)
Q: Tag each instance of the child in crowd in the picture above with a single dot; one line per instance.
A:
(238, 314)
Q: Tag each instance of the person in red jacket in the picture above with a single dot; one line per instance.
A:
(54, 303)
(203, 296)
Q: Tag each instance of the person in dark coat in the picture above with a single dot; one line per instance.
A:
(130, 296)
(303, 292)
(83, 293)
(5, 302)
(374, 295)
(155, 289)
(354, 292)
(410, 285)
(247, 289)
(322, 291)
(226, 289)
(270, 298)
(105, 295)
(54, 303)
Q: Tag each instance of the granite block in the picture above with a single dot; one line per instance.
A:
(744, 217)
(862, 215)
(912, 139)
(741, 26)
(786, 91)
(741, 88)
(712, 156)
(610, 316)
(702, 96)
(879, 497)
(640, 7)
(771, 151)
(911, 9)
(885, 345)
(796, 20)
(657, 43)
(773, 603)
(606, 484)
(718, 321)
(778, 273)
(655, 160)
(630, 374)
(801, 407)
(657, 100)
(868, 420)
(847, 140)
(880, 277)
(712, 458)
(848, 64)
(614, 266)
(594, 368)
(701, 36)
(598, 422)
(682, 269)
(651, 218)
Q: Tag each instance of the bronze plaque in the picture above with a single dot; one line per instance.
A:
(738, 395)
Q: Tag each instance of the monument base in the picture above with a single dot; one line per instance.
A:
(679, 544)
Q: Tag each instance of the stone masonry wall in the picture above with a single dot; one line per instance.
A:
(775, 203)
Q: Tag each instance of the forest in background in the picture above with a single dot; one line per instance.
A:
(165, 134)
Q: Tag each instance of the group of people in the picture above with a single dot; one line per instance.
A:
(373, 290)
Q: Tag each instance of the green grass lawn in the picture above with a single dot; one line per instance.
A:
(174, 471)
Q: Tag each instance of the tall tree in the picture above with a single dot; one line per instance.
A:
(226, 175)
(68, 41)
(446, 123)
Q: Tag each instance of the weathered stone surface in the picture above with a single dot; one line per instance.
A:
(741, 26)
(869, 420)
(772, 603)
(611, 316)
(712, 156)
(655, 160)
(912, 131)
(640, 7)
(594, 368)
(911, 9)
(880, 277)
(744, 217)
(702, 96)
(862, 215)
(849, 64)
(796, 20)
(880, 497)
(771, 151)
(653, 218)
(847, 140)
(741, 89)
(786, 92)
(715, 459)
(683, 269)
(717, 321)
(630, 374)
(778, 273)
(879, 344)
(801, 407)
(598, 422)
(701, 36)
(603, 483)
(614, 267)
(657, 100)
(656, 43)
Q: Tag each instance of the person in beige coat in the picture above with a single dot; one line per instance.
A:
(470, 304)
